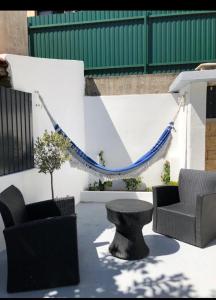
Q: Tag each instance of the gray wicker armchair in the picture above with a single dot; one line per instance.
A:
(187, 212)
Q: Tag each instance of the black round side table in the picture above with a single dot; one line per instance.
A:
(129, 217)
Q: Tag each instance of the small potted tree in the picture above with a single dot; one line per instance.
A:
(50, 152)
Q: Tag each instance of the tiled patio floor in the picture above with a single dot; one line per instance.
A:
(173, 269)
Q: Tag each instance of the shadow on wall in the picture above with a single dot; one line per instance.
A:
(98, 129)
(102, 275)
(91, 88)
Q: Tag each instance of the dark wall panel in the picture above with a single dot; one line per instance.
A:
(16, 134)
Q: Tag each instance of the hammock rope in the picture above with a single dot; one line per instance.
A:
(82, 161)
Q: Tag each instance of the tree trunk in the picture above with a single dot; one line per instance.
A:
(52, 191)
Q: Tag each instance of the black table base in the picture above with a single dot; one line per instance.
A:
(128, 245)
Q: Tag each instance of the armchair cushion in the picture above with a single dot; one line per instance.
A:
(174, 221)
(42, 209)
(179, 208)
(193, 183)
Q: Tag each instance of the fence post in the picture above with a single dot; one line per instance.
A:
(145, 42)
(30, 43)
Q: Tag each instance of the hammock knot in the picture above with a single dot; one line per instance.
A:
(171, 124)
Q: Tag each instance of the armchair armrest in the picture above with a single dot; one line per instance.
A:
(205, 219)
(66, 205)
(165, 195)
(42, 210)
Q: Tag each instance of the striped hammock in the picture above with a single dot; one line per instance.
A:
(82, 161)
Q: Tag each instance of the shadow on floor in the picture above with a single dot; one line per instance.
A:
(104, 276)
(212, 243)
(161, 245)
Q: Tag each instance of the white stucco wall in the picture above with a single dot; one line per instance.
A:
(61, 83)
(194, 85)
(195, 95)
(127, 126)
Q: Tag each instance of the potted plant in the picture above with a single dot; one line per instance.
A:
(99, 185)
(50, 152)
(132, 184)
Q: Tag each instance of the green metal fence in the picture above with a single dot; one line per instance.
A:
(126, 42)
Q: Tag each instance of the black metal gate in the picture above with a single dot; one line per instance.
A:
(16, 132)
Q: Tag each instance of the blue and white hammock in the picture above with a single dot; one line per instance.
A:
(82, 161)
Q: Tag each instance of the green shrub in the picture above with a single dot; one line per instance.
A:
(94, 186)
(165, 176)
(99, 185)
(148, 189)
(132, 184)
(174, 183)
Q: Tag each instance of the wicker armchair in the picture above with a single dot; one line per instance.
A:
(187, 212)
(41, 242)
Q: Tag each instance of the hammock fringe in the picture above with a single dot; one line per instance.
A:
(81, 166)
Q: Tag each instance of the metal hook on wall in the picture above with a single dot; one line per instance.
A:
(38, 104)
